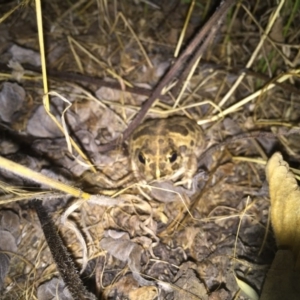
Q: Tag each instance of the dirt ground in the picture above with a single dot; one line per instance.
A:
(104, 58)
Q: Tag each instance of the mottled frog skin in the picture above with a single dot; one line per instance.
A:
(166, 148)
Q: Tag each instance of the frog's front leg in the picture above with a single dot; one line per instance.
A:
(188, 170)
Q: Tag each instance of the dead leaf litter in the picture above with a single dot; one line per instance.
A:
(150, 242)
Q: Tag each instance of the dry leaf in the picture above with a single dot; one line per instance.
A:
(9, 233)
(247, 289)
(123, 249)
(12, 98)
(41, 125)
(276, 34)
(190, 287)
(52, 290)
(24, 55)
(8, 147)
(4, 265)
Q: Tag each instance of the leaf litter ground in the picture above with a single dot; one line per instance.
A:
(189, 246)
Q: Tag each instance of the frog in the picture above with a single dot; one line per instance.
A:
(166, 149)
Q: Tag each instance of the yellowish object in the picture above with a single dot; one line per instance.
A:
(285, 204)
(283, 278)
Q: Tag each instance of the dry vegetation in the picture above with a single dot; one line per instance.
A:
(195, 246)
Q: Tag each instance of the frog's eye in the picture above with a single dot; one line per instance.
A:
(173, 157)
(141, 158)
